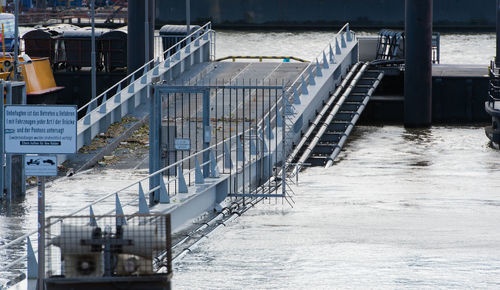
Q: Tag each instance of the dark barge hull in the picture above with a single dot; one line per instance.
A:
(493, 131)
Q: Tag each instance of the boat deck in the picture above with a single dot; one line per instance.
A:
(461, 70)
(232, 73)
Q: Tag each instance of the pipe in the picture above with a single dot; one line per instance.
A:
(360, 110)
(332, 114)
(16, 39)
(188, 17)
(318, 118)
(92, 53)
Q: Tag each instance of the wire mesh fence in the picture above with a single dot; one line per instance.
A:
(108, 246)
(238, 121)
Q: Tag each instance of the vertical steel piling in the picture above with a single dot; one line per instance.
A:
(497, 58)
(418, 67)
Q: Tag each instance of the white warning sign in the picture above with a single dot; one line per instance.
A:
(40, 129)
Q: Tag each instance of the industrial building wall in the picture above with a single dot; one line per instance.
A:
(324, 13)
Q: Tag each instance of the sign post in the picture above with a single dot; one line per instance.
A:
(2, 154)
(41, 232)
(41, 166)
(40, 130)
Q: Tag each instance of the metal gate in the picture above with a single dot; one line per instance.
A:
(239, 128)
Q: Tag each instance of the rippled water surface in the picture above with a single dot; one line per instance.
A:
(401, 209)
(456, 48)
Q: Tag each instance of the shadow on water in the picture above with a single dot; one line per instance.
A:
(418, 136)
(13, 208)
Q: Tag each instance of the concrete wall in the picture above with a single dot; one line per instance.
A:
(324, 13)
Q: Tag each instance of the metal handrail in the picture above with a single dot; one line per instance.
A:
(320, 55)
(494, 84)
(289, 92)
(164, 54)
(260, 57)
(169, 167)
(174, 165)
(321, 114)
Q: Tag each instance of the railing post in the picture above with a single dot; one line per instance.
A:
(342, 40)
(120, 219)
(283, 148)
(143, 204)
(131, 85)
(164, 197)
(337, 46)
(32, 264)
(118, 94)
(288, 110)
(214, 169)
(325, 61)
(279, 119)
(318, 69)
(270, 134)
(348, 33)
(198, 174)
(102, 108)
(239, 150)
(92, 220)
(263, 141)
(181, 181)
(144, 79)
(296, 97)
(332, 57)
(228, 163)
(304, 86)
(312, 82)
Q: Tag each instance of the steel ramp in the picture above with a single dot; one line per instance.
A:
(327, 135)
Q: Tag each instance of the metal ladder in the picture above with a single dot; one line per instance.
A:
(328, 133)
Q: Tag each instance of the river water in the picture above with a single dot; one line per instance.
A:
(400, 209)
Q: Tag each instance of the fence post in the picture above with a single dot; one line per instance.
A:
(154, 143)
(120, 219)
(207, 133)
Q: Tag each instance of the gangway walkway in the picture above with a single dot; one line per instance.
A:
(329, 131)
(241, 118)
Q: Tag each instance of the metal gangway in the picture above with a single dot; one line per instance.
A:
(232, 171)
(328, 133)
